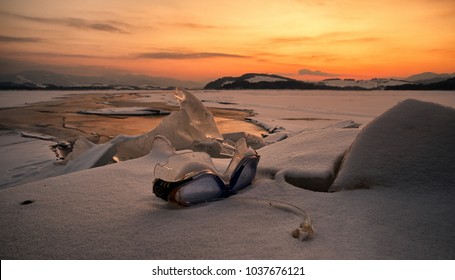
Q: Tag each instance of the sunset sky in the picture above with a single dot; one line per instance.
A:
(201, 40)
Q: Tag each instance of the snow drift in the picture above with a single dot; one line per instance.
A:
(413, 143)
(309, 159)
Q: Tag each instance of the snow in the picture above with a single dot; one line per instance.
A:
(19, 98)
(227, 83)
(257, 79)
(410, 144)
(407, 212)
(15, 148)
(311, 164)
(367, 84)
(22, 98)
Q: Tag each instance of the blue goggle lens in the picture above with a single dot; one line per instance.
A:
(204, 188)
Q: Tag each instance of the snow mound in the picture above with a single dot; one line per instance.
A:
(412, 143)
(307, 160)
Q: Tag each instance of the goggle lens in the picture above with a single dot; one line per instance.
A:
(246, 175)
(198, 190)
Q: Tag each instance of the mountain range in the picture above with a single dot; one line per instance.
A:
(39, 79)
(424, 81)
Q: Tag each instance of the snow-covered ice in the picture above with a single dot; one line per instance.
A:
(110, 212)
(126, 111)
(15, 98)
(14, 146)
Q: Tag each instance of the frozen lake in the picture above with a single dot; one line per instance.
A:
(293, 109)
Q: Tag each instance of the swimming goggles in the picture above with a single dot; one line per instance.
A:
(191, 178)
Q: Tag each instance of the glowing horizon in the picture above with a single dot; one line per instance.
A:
(202, 40)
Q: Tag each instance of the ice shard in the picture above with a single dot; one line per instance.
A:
(193, 126)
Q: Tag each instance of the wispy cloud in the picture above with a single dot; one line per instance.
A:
(85, 24)
(11, 39)
(291, 40)
(79, 23)
(358, 40)
(12, 66)
(441, 51)
(192, 55)
(331, 37)
(304, 39)
(66, 55)
(316, 73)
(193, 25)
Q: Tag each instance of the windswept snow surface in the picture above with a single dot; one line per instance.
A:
(14, 147)
(110, 212)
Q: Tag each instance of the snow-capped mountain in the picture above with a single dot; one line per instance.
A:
(48, 79)
(429, 77)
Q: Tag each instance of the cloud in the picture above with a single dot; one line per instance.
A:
(180, 56)
(193, 25)
(291, 40)
(13, 66)
(58, 54)
(359, 40)
(85, 24)
(326, 38)
(79, 23)
(24, 54)
(10, 39)
(305, 39)
(316, 73)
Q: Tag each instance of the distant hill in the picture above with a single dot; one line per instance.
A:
(39, 79)
(429, 78)
(48, 80)
(448, 84)
(270, 81)
(376, 83)
(261, 81)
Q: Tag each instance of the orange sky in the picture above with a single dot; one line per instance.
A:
(202, 40)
